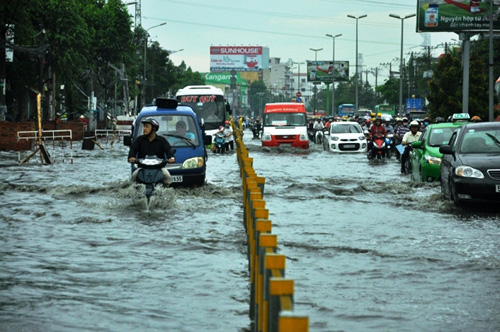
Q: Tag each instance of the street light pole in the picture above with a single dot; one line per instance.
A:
(356, 75)
(145, 53)
(315, 89)
(298, 79)
(401, 60)
(333, 71)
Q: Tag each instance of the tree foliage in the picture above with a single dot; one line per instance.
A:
(81, 45)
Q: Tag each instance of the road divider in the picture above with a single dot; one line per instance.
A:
(271, 293)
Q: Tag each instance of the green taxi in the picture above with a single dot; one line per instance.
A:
(425, 157)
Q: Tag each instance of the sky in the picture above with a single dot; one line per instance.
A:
(289, 28)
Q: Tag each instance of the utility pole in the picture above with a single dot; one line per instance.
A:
(333, 71)
(315, 89)
(357, 56)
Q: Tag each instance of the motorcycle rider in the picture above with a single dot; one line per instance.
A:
(412, 136)
(318, 127)
(376, 130)
(151, 144)
(399, 133)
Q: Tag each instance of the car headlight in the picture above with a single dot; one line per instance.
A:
(468, 172)
(361, 138)
(266, 137)
(303, 137)
(433, 160)
(195, 162)
(335, 138)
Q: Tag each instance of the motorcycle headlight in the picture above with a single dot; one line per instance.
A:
(195, 162)
(433, 160)
(468, 172)
(335, 138)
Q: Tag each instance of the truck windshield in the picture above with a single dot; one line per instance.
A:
(284, 119)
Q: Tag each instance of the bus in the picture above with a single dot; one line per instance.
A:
(385, 109)
(346, 109)
(208, 103)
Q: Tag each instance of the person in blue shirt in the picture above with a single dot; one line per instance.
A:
(180, 133)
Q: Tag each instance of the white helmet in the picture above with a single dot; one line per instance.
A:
(414, 123)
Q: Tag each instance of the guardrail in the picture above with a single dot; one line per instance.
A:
(271, 294)
(47, 135)
(110, 134)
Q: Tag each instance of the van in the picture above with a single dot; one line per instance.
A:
(190, 154)
(285, 123)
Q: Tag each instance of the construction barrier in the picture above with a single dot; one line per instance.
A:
(57, 137)
(271, 294)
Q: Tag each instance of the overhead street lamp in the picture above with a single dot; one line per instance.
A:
(174, 51)
(315, 89)
(356, 75)
(333, 71)
(145, 53)
(401, 59)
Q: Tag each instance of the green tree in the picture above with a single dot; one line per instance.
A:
(257, 96)
(445, 87)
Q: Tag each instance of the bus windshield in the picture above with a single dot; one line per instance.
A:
(284, 119)
(207, 102)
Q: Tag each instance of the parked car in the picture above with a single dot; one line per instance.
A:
(345, 136)
(470, 166)
(425, 157)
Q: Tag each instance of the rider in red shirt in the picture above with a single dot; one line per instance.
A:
(377, 129)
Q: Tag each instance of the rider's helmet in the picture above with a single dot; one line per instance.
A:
(475, 118)
(405, 119)
(399, 120)
(439, 119)
(379, 115)
(414, 123)
(379, 119)
(227, 122)
(154, 123)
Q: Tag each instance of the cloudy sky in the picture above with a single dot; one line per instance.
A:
(289, 28)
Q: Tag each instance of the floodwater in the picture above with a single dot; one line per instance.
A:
(368, 249)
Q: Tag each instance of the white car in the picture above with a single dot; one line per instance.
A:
(345, 136)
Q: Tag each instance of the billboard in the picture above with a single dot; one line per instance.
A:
(321, 71)
(456, 15)
(239, 58)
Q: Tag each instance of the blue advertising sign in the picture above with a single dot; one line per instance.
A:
(416, 104)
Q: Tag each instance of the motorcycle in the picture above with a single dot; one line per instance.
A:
(389, 145)
(379, 149)
(150, 173)
(318, 137)
(256, 129)
(219, 142)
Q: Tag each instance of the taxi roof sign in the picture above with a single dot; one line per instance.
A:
(461, 117)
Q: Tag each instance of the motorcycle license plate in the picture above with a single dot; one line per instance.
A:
(349, 146)
(498, 188)
(176, 178)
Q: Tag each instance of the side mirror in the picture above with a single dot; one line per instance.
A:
(127, 140)
(445, 149)
(207, 139)
(417, 145)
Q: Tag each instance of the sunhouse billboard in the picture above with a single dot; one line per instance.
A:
(456, 16)
(321, 71)
(239, 58)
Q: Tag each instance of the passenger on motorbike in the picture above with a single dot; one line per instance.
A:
(150, 144)
(388, 127)
(401, 130)
(228, 136)
(412, 136)
(377, 130)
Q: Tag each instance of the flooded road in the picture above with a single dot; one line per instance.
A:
(368, 249)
